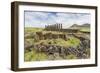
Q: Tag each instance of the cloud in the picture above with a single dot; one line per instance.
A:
(40, 19)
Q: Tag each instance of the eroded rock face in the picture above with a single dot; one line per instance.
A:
(79, 51)
(44, 36)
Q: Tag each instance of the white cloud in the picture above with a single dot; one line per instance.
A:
(40, 19)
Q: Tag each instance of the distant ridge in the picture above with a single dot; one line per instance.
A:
(76, 26)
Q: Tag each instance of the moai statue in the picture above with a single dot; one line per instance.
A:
(54, 27)
(48, 27)
(57, 27)
(61, 26)
(45, 27)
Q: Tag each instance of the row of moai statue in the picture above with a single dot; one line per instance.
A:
(54, 27)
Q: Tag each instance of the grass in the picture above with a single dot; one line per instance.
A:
(71, 56)
(60, 42)
(33, 30)
(85, 30)
(30, 29)
(33, 56)
(73, 42)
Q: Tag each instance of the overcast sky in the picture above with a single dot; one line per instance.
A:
(40, 19)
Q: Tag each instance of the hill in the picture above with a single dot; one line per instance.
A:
(83, 27)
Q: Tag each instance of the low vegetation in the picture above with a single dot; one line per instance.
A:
(32, 55)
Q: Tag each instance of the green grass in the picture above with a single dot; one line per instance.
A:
(85, 30)
(59, 42)
(71, 57)
(73, 42)
(30, 29)
(33, 56)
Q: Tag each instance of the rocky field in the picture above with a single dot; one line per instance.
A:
(42, 45)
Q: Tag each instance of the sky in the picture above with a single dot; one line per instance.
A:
(40, 19)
